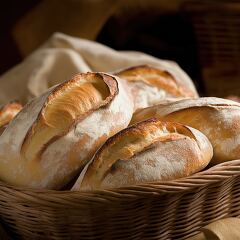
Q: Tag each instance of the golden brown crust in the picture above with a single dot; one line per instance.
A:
(85, 112)
(144, 138)
(161, 79)
(218, 119)
(141, 129)
(173, 107)
(8, 112)
(88, 91)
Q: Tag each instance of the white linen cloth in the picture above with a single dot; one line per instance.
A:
(63, 56)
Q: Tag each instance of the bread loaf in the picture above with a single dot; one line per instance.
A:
(233, 98)
(148, 151)
(218, 119)
(56, 134)
(150, 85)
(7, 113)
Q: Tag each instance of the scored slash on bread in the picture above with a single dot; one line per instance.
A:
(151, 84)
(148, 151)
(218, 119)
(68, 103)
(57, 133)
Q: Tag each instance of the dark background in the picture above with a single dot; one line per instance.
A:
(171, 35)
(10, 12)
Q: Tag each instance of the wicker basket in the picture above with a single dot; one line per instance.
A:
(164, 210)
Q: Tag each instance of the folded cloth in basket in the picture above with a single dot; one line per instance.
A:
(224, 229)
(63, 56)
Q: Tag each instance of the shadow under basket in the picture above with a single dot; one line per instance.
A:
(163, 210)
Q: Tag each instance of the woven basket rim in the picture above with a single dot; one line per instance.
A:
(201, 179)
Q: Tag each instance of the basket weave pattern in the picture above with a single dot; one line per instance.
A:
(164, 210)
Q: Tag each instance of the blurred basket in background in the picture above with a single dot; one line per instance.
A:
(216, 27)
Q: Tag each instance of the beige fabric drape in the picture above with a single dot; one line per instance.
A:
(225, 229)
(63, 56)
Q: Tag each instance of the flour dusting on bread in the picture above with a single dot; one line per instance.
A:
(56, 134)
(145, 152)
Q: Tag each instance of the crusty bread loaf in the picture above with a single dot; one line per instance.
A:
(7, 113)
(233, 98)
(56, 134)
(148, 151)
(218, 119)
(150, 85)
